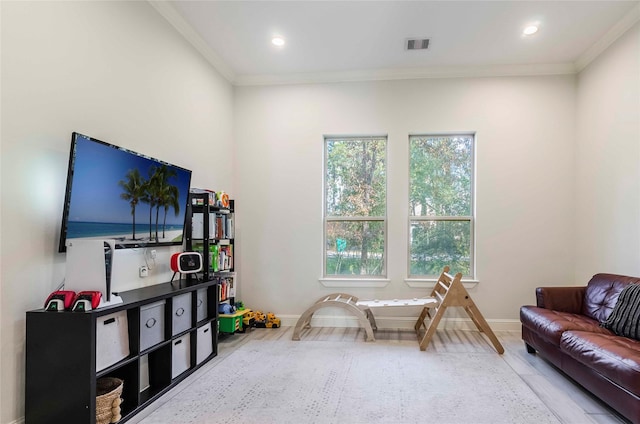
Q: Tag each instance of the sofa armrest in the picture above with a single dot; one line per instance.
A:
(563, 299)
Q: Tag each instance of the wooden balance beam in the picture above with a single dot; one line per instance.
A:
(360, 308)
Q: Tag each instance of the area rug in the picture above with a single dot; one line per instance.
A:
(344, 382)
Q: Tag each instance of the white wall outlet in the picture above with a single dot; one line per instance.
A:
(144, 271)
(153, 254)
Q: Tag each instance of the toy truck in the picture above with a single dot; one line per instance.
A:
(248, 320)
(266, 321)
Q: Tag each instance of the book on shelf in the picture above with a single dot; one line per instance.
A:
(219, 227)
(227, 287)
(232, 287)
(220, 256)
(225, 257)
(229, 227)
(223, 290)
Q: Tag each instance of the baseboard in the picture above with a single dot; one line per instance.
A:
(399, 322)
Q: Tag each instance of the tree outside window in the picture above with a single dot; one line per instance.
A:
(355, 206)
(441, 209)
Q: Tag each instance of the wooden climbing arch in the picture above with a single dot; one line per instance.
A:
(340, 300)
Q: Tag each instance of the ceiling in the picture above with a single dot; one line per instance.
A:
(360, 40)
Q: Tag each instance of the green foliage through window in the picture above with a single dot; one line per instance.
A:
(441, 204)
(355, 247)
(355, 206)
(435, 244)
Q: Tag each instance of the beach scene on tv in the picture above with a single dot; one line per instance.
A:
(118, 194)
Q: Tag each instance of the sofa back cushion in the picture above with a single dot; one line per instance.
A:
(602, 294)
(624, 320)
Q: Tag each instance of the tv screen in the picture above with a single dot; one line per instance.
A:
(115, 193)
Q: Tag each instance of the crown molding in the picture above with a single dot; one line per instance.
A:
(408, 74)
(629, 20)
(166, 10)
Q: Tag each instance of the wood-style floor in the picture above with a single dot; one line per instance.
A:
(566, 399)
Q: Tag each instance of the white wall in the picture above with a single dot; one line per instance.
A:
(608, 161)
(525, 185)
(116, 71)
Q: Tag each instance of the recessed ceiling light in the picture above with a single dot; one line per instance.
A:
(530, 30)
(277, 41)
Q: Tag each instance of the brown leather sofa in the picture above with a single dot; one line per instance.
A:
(564, 328)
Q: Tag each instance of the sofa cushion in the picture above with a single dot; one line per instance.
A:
(602, 294)
(551, 324)
(617, 358)
(624, 319)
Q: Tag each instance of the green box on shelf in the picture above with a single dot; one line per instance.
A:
(230, 323)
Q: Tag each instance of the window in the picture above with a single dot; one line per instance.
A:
(441, 204)
(355, 206)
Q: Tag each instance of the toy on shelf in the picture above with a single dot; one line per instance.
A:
(268, 320)
(226, 309)
(236, 318)
(216, 198)
(222, 199)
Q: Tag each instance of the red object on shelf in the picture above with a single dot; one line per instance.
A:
(64, 296)
(186, 262)
(92, 296)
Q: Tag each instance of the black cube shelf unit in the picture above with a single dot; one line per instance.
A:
(65, 350)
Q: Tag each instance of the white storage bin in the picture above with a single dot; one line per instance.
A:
(181, 313)
(180, 355)
(197, 225)
(151, 324)
(201, 305)
(144, 373)
(204, 343)
(112, 339)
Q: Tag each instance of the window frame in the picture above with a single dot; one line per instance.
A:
(333, 218)
(430, 218)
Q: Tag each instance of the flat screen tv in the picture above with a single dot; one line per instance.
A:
(117, 194)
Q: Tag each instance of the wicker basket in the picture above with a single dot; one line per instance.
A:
(108, 391)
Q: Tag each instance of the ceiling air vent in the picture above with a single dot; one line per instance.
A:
(417, 44)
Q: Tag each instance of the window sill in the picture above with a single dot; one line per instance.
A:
(354, 282)
(431, 282)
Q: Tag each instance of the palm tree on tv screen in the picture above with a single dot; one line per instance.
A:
(169, 199)
(149, 197)
(162, 194)
(157, 192)
(134, 190)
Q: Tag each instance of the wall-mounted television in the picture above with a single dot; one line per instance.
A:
(117, 194)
